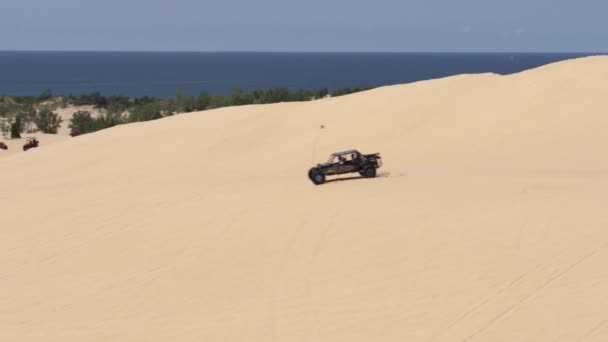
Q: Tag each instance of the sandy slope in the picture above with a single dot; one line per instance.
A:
(488, 223)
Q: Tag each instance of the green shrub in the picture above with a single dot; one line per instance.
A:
(145, 112)
(17, 127)
(95, 99)
(239, 97)
(82, 122)
(144, 108)
(202, 101)
(47, 121)
(109, 119)
(28, 117)
(8, 106)
(4, 128)
(321, 93)
(118, 104)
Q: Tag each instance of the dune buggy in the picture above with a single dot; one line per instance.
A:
(346, 162)
(30, 143)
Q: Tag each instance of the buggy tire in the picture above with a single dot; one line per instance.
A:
(369, 172)
(311, 172)
(317, 178)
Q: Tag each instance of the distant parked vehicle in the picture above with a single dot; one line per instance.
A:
(30, 143)
(346, 162)
(3, 146)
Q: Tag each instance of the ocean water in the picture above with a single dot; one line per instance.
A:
(161, 74)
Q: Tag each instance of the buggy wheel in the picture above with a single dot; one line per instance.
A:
(311, 173)
(369, 172)
(317, 178)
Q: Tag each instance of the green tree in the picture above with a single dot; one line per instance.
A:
(47, 121)
(8, 106)
(145, 112)
(118, 104)
(109, 119)
(142, 100)
(275, 95)
(239, 97)
(202, 101)
(82, 122)
(321, 93)
(183, 103)
(5, 109)
(95, 99)
(28, 117)
(258, 96)
(347, 91)
(4, 128)
(302, 95)
(217, 101)
(17, 127)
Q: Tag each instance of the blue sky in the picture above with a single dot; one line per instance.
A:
(307, 25)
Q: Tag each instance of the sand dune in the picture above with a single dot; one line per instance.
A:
(488, 222)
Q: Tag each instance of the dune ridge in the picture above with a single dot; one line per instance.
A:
(487, 222)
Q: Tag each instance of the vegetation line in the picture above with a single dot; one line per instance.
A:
(19, 114)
